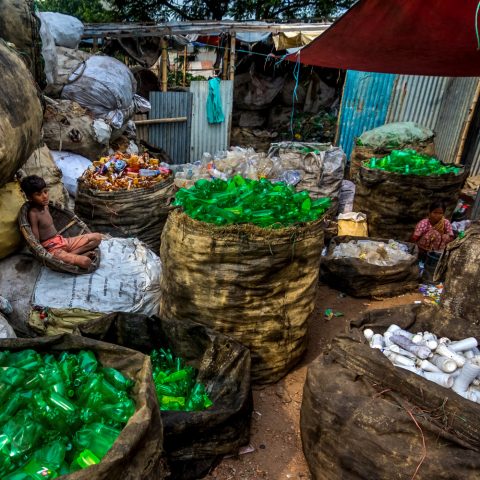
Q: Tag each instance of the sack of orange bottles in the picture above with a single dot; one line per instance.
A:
(116, 194)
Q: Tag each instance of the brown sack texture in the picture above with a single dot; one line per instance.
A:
(257, 285)
(460, 265)
(394, 203)
(359, 411)
(20, 114)
(362, 279)
(137, 454)
(140, 212)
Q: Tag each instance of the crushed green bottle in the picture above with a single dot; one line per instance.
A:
(259, 202)
(409, 162)
(176, 384)
(59, 414)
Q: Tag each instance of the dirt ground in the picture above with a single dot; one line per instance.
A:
(275, 435)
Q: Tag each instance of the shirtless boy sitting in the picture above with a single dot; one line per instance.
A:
(74, 250)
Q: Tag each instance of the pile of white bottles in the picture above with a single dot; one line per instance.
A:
(454, 365)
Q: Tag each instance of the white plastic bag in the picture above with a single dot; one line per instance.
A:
(49, 53)
(66, 30)
(72, 167)
(106, 87)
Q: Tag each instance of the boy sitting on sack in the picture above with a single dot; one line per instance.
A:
(74, 250)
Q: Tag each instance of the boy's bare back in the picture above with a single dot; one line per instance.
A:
(41, 222)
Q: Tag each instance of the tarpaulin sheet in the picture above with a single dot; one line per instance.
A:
(284, 40)
(418, 37)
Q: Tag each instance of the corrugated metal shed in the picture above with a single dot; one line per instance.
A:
(206, 137)
(365, 101)
(174, 137)
(440, 103)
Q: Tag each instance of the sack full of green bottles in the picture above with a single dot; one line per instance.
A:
(59, 413)
(240, 200)
(409, 162)
(176, 385)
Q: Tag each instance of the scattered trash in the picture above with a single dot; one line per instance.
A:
(242, 451)
(431, 292)
(329, 314)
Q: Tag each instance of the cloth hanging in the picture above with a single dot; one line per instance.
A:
(214, 102)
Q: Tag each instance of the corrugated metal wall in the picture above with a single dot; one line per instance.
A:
(206, 137)
(440, 103)
(174, 138)
(365, 101)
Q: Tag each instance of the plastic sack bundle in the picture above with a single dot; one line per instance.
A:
(127, 280)
(362, 415)
(137, 452)
(193, 441)
(105, 86)
(11, 200)
(72, 167)
(66, 30)
(360, 271)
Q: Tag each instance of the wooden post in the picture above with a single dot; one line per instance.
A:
(225, 62)
(232, 55)
(184, 72)
(164, 60)
(95, 44)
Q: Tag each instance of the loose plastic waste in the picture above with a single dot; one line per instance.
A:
(176, 385)
(122, 171)
(59, 413)
(240, 200)
(375, 253)
(409, 162)
(432, 292)
(450, 364)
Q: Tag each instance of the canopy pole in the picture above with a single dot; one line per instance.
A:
(225, 62)
(164, 61)
(232, 55)
(184, 70)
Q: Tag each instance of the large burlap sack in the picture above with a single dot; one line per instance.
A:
(18, 276)
(362, 279)
(460, 268)
(140, 212)
(193, 441)
(321, 171)
(363, 418)
(19, 25)
(394, 203)
(11, 200)
(20, 113)
(68, 126)
(254, 284)
(137, 452)
(41, 163)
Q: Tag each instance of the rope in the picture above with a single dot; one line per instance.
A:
(476, 25)
(296, 76)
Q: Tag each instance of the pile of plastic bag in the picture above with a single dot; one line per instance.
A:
(375, 253)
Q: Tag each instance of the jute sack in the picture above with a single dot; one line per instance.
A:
(20, 114)
(460, 265)
(254, 284)
(362, 279)
(362, 153)
(364, 418)
(11, 200)
(137, 453)
(394, 203)
(193, 441)
(140, 212)
(41, 163)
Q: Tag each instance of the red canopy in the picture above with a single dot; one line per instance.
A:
(419, 37)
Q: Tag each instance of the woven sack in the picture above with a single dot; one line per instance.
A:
(137, 453)
(139, 212)
(364, 418)
(362, 279)
(254, 284)
(394, 203)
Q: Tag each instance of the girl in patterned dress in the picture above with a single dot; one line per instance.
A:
(434, 232)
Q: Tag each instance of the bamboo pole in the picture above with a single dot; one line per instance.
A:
(232, 55)
(164, 60)
(153, 121)
(184, 72)
(225, 62)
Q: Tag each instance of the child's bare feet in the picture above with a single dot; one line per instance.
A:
(91, 254)
(84, 262)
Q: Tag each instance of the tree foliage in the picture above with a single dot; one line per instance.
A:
(88, 11)
(163, 10)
